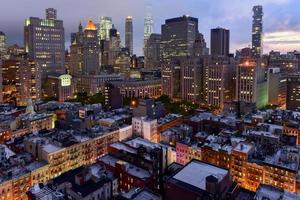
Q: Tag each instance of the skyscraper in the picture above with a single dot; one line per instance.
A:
(257, 31)
(178, 37)
(84, 51)
(105, 26)
(129, 34)
(148, 24)
(152, 51)
(251, 84)
(220, 81)
(45, 42)
(51, 13)
(219, 41)
(2, 43)
(182, 78)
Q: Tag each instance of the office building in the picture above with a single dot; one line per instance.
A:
(293, 92)
(182, 78)
(148, 24)
(3, 44)
(129, 34)
(221, 73)
(251, 84)
(90, 49)
(285, 62)
(84, 51)
(44, 41)
(114, 46)
(277, 83)
(178, 37)
(104, 27)
(219, 41)
(152, 51)
(257, 31)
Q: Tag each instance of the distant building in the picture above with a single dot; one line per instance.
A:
(285, 62)
(293, 92)
(114, 47)
(105, 26)
(220, 86)
(84, 51)
(93, 84)
(139, 88)
(45, 42)
(257, 31)
(3, 44)
(148, 23)
(219, 41)
(182, 78)
(251, 84)
(129, 34)
(277, 82)
(178, 37)
(152, 51)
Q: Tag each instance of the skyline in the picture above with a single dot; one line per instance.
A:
(281, 27)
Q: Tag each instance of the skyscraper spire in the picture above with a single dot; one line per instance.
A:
(148, 23)
(257, 31)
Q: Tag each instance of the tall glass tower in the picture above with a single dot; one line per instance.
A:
(148, 23)
(105, 26)
(257, 31)
(129, 34)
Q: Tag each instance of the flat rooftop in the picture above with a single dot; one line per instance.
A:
(243, 147)
(195, 173)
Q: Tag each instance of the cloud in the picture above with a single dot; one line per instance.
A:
(288, 40)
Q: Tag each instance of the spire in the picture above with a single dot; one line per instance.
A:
(90, 25)
(80, 27)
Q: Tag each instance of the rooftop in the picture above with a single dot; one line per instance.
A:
(129, 168)
(244, 147)
(195, 173)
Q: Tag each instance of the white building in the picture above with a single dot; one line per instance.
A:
(145, 127)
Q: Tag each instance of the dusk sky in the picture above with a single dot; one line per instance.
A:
(281, 18)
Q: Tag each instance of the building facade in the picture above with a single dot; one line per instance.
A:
(44, 41)
(219, 41)
(257, 31)
(129, 34)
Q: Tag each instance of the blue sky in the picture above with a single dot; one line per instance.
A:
(281, 17)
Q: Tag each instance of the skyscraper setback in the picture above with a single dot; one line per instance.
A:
(129, 34)
(219, 41)
(257, 31)
(45, 42)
